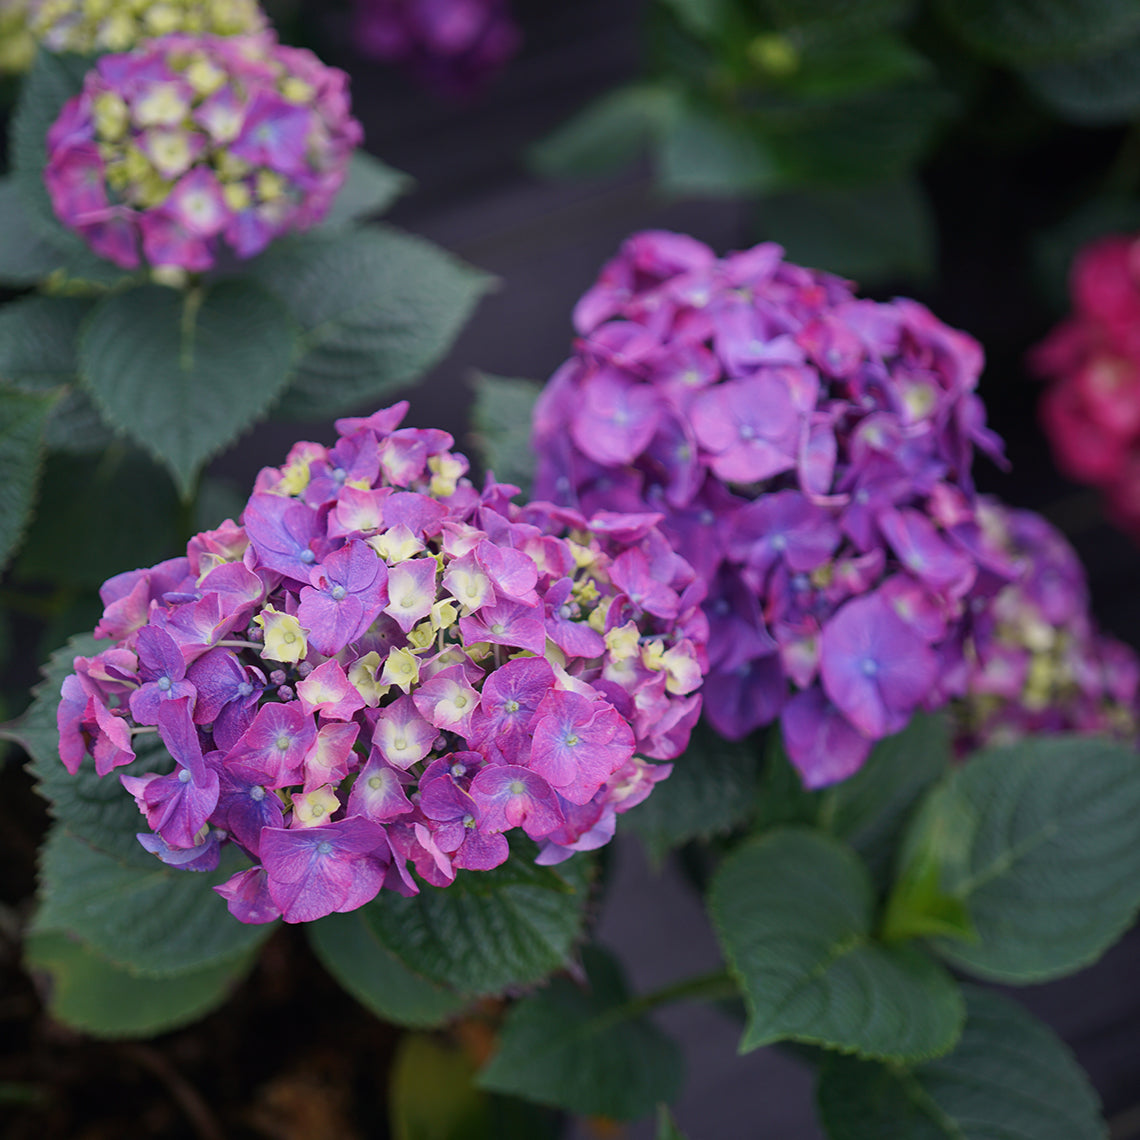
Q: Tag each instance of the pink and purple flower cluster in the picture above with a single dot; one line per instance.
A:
(450, 45)
(191, 141)
(811, 453)
(383, 665)
(1091, 410)
(1036, 661)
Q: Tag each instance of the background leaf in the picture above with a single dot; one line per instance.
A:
(1008, 1077)
(705, 153)
(500, 427)
(376, 309)
(39, 339)
(794, 912)
(711, 790)
(23, 417)
(666, 1126)
(138, 913)
(184, 373)
(349, 949)
(575, 1048)
(1095, 90)
(90, 993)
(371, 187)
(869, 233)
(490, 929)
(1041, 844)
(1030, 31)
(608, 134)
(81, 508)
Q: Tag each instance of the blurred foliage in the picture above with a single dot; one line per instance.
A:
(826, 111)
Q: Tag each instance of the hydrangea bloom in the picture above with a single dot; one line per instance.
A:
(451, 45)
(384, 665)
(192, 141)
(1035, 660)
(119, 25)
(811, 453)
(1091, 410)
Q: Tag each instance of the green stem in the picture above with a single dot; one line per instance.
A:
(704, 987)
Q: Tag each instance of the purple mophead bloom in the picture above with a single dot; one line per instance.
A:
(810, 452)
(397, 670)
(192, 143)
(452, 46)
(1035, 661)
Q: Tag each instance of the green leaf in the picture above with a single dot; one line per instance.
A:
(38, 341)
(666, 1126)
(1039, 841)
(867, 139)
(500, 427)
(432, 1094)
(371, 187)
(90, 993)
(711, 790)
(184, 373)
(872, 233)
(702, 17)
(1009, 1077)
(839, 66)
(870, 810)
(81, 509)
(920, 907)
(705, 153)
(489, 930)
(583, 1049)
(23, 417)
(1036, 31)
(137, 912)
(833, 16)
(76, 427)
(376, 308)
(348, 948)
(794, 913)
(608, 134)
(1092, 90)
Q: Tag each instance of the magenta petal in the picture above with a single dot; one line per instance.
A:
(822, 744)
(509, 796)
(315, 871)
(248, 898)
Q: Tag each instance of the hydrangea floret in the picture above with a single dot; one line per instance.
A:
(1091, 409)
(195, 142)
(383, 665)
(450, 45)
(1036, 661)
(85, 28)
(811, 454)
